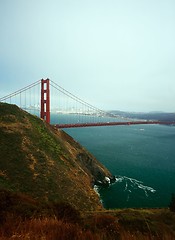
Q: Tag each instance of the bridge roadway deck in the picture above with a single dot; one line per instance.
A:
(76, 125)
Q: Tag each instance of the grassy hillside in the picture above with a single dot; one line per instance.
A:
(46, 163)
(25, 218)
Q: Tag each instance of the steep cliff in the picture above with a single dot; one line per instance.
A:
(44, 162)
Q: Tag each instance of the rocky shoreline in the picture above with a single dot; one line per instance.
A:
(106, 182)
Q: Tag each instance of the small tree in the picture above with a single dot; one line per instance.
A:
(172, 203)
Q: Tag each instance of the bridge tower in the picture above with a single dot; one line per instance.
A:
(45, 100)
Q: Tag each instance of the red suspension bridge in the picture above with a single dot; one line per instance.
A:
(57, 106)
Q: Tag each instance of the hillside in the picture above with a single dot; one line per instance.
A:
(22, 217)
(46, 163)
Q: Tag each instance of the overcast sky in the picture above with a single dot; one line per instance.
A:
(114, 54)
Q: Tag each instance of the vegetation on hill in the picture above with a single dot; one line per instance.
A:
(46, 189)
(25, 218)
(44, 162)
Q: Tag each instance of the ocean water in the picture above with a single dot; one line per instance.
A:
(142, 157)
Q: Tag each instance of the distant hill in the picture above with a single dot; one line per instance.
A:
(44, 162)
(160, 116)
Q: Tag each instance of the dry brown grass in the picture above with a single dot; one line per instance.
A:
(94, 227)
(140, 236)
(22, 217)
(46, 229)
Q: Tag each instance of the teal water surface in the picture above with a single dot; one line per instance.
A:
(141, 156)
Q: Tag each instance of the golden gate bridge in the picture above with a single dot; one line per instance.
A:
(48, 100)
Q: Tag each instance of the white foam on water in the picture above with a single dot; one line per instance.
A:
(126, 186)
(96, 189)
(118, 179)
(131, 183)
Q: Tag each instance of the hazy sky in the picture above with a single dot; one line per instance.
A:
(114, 54)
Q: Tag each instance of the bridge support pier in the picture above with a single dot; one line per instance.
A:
(45, 100)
